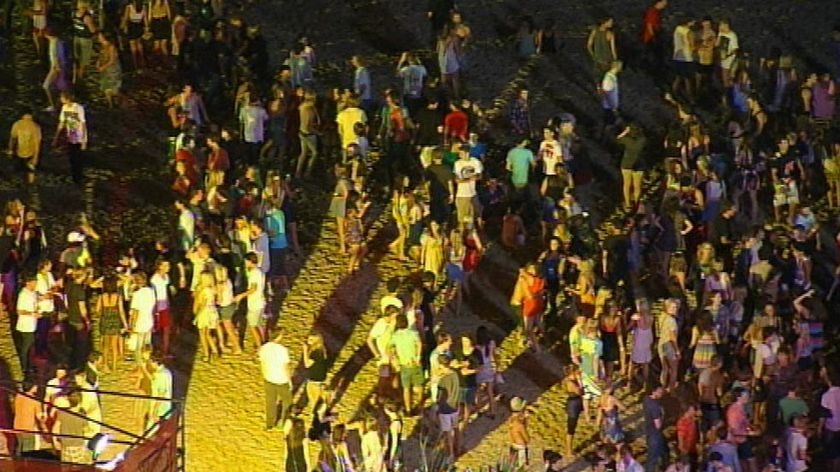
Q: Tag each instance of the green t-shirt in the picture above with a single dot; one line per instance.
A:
(519, 161)
(792, 406)
(407, 345)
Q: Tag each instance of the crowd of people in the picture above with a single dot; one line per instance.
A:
(712, 272)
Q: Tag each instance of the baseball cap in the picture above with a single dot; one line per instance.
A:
(517, 404)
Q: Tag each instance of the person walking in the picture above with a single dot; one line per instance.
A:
(518, 432)
(72, 129)
(274, 361)
(27, 320)
(25, 145)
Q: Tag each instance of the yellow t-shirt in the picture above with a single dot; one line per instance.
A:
(27, 136)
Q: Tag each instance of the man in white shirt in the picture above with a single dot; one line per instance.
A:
(550, 152)
(727, 44)
(255, 295)
(683, 58)
(379, 342)
(27, 320)
(252, 118)
(467, 171)
(143, 301)
(274, 362)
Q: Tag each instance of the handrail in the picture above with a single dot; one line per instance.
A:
(71, 412)
(16, 431)
(108, 392)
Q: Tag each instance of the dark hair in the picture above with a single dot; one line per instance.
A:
(393, 284)
(402, 321)
(252, 257)
(109, 285)
(482, 336)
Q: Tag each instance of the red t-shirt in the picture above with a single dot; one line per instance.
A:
(456, 123)
(218, 160)
(687, 431)
(651, 22)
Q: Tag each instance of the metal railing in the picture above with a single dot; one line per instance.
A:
(177, 407)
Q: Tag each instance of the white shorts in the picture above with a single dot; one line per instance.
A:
(255, 316)
(448, 422)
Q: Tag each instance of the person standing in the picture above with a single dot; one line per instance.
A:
(610, 96)
(160, 406)
(362, 85)
(218, 162)
(632, 170)
(70, 423)
(520, 160)
(162, 286)
(78, 318)
(413, 74)
(252, 120)
(796, 445)
(72, 128)
(830, 426)
(27, 320)
(143, 301)
(683, 59)
(652, 35)
(274, 362)
(309, 123)
(255, 295)
(654, 413)
(110, 70)
(27, 416)
(84, 29)
(448, 393)
(601, 46)
(518, 433)
(467, 171)
(408, 348)
(25, 145)
(668, 349)
(727, 45)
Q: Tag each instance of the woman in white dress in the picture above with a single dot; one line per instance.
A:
(207, 314)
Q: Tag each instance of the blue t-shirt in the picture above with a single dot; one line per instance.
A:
(275, 226)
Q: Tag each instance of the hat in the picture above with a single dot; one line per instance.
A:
(567, 118)
(517, 404)
(75, 237)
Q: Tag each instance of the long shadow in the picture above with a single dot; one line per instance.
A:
(345, 306)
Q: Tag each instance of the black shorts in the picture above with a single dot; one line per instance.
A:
(684, 69)
(745, 450)
(161, 30)
(24, 165)
(277, 258)
(832, 444)
(574, 407)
